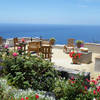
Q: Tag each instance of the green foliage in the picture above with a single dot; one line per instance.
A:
(34, 72)
(52, 41)
(1, 92)
(74, 89)
(10, 93)
(79, 42)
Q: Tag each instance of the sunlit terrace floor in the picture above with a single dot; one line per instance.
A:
(61, 59)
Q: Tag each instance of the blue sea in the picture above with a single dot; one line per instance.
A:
(60, 32)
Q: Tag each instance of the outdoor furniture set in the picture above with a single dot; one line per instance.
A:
(80, 55)
(39, 46)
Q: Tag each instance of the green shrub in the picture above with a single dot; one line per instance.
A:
(76, 89)
(10, 93)
(34, 72)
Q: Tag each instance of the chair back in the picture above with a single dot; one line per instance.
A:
(34, 46)
(0, 40)
(47, 52)
(70, 42)
(45, 42)
(15, 40)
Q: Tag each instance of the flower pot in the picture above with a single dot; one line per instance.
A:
(52, 42)
(75, 60)
(78, 45)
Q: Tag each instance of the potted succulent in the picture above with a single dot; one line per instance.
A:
(79, 43)
(52, 41)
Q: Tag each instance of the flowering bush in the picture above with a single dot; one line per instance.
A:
(30, 72)
(77, 89)
(75, 55)
(10, 93)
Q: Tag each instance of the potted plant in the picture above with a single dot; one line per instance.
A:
(52, 41)
(75, 56)
(79, 43)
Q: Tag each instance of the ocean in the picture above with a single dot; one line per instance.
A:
(60, 32)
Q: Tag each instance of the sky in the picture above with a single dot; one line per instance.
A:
(70, 12)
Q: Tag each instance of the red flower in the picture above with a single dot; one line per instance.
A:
(26, 98)
(85, 87)
(23, 40)
(22, 98)
(36, 96)
(94, 92)
(70, 55)
(72, 82)
(95, 82)
(98, 89)
(75, 56)
(87, 80)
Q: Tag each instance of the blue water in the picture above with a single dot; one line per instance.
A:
(60, 32)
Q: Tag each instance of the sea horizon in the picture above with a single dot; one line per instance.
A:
(61, 32)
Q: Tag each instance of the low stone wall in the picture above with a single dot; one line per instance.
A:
(95, 48)
(10, 41)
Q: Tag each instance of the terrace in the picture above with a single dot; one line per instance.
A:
(62, 60)
(29, 72)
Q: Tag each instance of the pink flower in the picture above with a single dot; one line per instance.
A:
(19, 48)
(98, 77)
(72, 78)
(6, 47)
(15, 54)
(22, 98)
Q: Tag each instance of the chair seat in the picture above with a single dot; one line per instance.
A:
(70, 47)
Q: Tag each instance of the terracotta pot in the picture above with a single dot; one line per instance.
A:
(75, 60)
(52, 42)
(78, 45)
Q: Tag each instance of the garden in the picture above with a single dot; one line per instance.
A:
(30, 77)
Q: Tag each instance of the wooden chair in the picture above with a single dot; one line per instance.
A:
(16, 43)
(45, 43)
(34, 46)
(69, 46)
(1, 41)
(46, 52)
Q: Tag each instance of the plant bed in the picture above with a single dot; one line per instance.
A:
(10, 93)
(26, 73)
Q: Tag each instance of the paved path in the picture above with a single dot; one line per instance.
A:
(62, 59)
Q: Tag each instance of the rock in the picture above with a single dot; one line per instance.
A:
(50, 94)
(68, 73)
